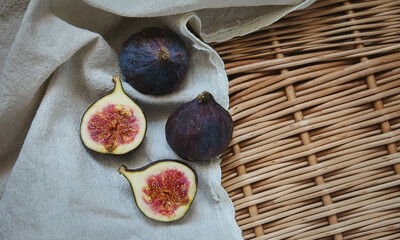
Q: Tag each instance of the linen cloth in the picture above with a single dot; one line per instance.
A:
(59, 62)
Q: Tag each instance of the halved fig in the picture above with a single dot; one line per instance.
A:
(163, 190)
(114, 124)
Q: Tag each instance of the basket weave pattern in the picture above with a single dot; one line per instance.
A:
(315, 99)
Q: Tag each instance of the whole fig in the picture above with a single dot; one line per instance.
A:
(154, 60)
(200, 129)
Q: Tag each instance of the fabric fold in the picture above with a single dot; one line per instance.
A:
(62, 60)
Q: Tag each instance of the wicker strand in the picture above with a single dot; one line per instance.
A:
(241, 170)
(305, 138)
(315, 99)
(378, 104)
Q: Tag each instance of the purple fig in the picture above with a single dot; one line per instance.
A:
(200, 129)
(154, 60)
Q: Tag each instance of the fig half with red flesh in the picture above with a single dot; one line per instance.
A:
(114, 124)
(163, 190)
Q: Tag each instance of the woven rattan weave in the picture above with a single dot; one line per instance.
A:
(315, 99)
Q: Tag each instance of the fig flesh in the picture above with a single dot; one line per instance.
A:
(163, 190)
(154, 60)
(114, 124)
(200, 129)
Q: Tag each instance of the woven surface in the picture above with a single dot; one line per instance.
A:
(316, 104)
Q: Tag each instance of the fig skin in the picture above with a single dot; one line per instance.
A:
(117, 97)
(154, 61)
(200, 129)
(136, 178)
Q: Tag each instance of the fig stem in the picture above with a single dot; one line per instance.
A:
(205, 97)
(122, 170)
(164, 54)
(118, 85)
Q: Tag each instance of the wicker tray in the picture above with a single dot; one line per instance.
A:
(316, 104)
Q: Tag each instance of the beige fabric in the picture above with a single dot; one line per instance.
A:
(61, 61)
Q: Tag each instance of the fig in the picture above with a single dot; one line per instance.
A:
(154, 60)
(114, 124)
(200, 129)
(163, 190)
